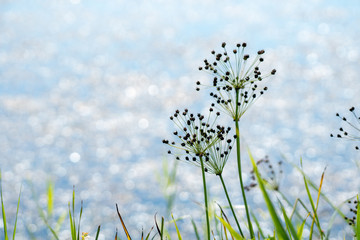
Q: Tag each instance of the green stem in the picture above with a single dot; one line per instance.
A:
(238, 157)
(231, 207)
(205, 197)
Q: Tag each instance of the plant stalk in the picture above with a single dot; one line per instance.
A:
(231, 207)
(238, 157)
(205, 199)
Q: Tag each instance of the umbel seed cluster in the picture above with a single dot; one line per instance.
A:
(353, 132)
(201, 138)
(236, 87)
(240, 74)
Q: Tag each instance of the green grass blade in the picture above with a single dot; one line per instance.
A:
(148, 235)
(313, 185)
(16, 216)
(3, 211)
(223, 215)
(162, 228)
(177, 229)
(157, 227)
(50, 197)
(233, 233)
(258, 226)
(72, 216)
(195, 229)
(73, 203)
(72, 221)
(357, 219)
(301, 228)
(78, 229)
(71, 224)
(97, 233)
(123, 224)
(314, 208)
(289, 224)
(42, 214)
(277, 223)
(60, 221)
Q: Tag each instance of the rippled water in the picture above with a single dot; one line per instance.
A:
(86, 89)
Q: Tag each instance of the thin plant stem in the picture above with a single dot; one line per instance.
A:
(231, 207)
(238, 157)
(205, 198)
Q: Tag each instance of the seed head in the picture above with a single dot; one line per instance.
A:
(236, 74)
(200, 138)
(269, 174)
(352, 129)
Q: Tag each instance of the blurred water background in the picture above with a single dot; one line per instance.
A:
(87, 88)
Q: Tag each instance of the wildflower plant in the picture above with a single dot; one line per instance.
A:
(235, 87)
(353, 133)
(205, 144)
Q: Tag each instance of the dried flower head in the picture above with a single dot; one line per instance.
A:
(351, 216)
(200, 138)
(240, 76)
(270, 174)
(354, 131)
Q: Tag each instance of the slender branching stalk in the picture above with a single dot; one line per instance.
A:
(205, 198)
(238, 158)
(230, 204)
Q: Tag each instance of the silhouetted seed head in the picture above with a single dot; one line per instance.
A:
(351, 217)
(352, 129)
(198, 139)
(223, 44)
(268, 173)
(234, 76)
